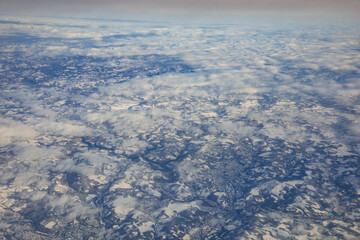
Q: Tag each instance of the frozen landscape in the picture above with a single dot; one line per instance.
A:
(151, 130)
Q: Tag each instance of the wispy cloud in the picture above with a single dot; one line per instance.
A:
(178, 123)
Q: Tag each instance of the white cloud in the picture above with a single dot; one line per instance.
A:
(123, 206)
(158, 125)
(14, 131)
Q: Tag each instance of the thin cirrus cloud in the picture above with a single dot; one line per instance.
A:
(184, 6)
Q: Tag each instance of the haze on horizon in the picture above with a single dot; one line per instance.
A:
(185, 7)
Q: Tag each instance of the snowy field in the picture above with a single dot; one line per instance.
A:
(154, 130)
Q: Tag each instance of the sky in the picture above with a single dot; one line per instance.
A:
(180, 7)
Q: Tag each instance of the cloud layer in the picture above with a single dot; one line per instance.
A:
(115, 129)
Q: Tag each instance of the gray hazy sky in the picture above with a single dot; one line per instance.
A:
(181, 6)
